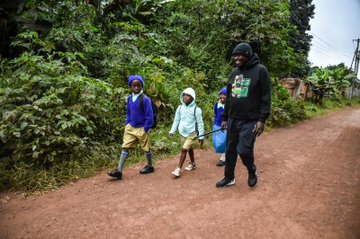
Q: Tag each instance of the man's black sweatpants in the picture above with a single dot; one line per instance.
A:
(240, 141)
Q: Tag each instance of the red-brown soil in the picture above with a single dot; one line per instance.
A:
(308, 187)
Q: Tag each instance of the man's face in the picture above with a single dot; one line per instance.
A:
(240, 60)
(135, 86)
(187, 98)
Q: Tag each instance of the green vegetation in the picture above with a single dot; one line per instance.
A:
(329, 83)
(328, 106)
(64, 67)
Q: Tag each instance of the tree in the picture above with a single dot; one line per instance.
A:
(9, 22)
(330, 82)
(301, 13)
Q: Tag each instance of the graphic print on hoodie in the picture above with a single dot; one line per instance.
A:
(240, 87)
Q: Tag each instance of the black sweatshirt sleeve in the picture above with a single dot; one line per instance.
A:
(225, 113)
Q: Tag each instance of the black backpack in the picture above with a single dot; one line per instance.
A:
(154, 109)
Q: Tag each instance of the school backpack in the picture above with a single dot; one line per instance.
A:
(154, 109)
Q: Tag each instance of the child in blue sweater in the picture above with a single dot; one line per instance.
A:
(219, 137)
(188, 120)
(139, 120)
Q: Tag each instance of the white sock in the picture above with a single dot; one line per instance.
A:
(222, 157)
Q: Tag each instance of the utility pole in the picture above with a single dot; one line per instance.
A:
(356, 59)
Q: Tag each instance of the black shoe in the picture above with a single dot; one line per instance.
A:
(225, 182)
(147, 169)
(220, 163)
(252, 178)
(115, 174)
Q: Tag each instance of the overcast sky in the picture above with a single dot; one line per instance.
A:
(335, 26)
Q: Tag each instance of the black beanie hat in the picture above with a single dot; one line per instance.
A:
(243, 49)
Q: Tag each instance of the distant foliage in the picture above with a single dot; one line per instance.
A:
(284, 110)
(329, 83)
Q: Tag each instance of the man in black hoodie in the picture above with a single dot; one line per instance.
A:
(246, 109)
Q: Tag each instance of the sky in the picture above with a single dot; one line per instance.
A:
(335, 27)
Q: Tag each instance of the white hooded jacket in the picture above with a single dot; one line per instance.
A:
(187, 116)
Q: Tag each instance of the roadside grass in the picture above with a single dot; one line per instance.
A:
(328, 106)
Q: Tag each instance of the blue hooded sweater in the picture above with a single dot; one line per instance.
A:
(217, 114)
(136, 117)
(218, 110)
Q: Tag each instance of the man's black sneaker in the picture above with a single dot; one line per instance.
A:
(147, 169)
(220, 163)
(225, 182)
(252, 179)
(115, 174)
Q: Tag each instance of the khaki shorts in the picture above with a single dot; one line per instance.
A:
(134, 136)
(189, 141)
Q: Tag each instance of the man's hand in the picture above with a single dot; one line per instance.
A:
(223, 125)
(259, 128)
(170, 136)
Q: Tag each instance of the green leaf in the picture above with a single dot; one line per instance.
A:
(35, 155)
(23, 125)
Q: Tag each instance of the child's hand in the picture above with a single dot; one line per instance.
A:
(223, 125)
(170, 136)
(201, 142)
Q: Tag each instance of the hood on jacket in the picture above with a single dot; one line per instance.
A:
(136, 77)
(223, 91)
(189, 91)
(254, 60)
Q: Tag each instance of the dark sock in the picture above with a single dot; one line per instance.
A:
(149, 158)
(124, 154)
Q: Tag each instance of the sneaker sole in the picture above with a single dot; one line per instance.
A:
(115, 177)
(147, 172)
(176, 175)
(232, 182)
(187, 169)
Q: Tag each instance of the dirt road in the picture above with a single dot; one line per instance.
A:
(309, 187)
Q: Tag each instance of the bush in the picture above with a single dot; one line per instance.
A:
(284, 110)
(53, 119)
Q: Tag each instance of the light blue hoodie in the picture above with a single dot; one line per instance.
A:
(185, 118)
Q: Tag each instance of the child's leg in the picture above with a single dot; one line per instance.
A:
(129, 142)
(144, 141)
(182, 157)
(124, 154)
(191, 154)
(149, 167)
(148, 156)
(221, 161)
(191, 165)
(222, 157)
(187, 147)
